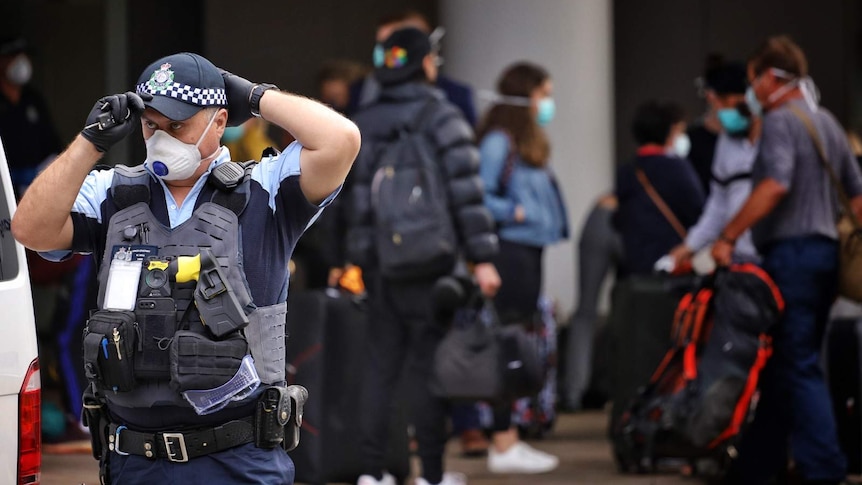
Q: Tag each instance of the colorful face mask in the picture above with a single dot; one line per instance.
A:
(172, 159)
(733, 121)
(545, 111)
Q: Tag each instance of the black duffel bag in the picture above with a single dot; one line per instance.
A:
(481, 360)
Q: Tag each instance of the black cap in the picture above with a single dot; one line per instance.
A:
(403, 52)
(12, 45)
(727, 78)
(181, 85)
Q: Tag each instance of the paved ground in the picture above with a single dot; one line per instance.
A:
(578, 440)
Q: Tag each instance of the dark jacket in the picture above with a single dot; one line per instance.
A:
(646, 234)
(398, 106)
(457, 93)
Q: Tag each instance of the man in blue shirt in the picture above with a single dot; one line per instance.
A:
(184, 103)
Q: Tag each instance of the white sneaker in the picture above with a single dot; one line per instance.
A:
(521, 458)
(369, 480)
(449, 478)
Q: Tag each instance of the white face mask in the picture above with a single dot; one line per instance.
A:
(172, 159)
(681, 145)
(19, 70)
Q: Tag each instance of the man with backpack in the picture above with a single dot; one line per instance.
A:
(415, 210)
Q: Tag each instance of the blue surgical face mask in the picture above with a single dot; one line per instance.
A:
(753, 103)
(545, 110)
(378, 56)
(232, 134)
(733, 121)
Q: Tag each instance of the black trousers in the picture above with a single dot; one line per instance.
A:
(520, 268)
(402, 330)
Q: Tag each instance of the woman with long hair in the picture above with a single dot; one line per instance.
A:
(525, 200)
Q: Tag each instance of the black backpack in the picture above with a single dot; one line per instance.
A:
(704, 392)
(414, 233)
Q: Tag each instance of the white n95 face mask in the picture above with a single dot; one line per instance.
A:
(172, 159)
(681, 145)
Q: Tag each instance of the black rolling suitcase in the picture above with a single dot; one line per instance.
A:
(640, 321)
(325, 354)
(844, 368)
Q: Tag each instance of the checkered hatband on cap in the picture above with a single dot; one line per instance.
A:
(186, 93)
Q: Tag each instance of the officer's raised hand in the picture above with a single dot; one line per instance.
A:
(243, 97)
(238, 90)
(112, 118)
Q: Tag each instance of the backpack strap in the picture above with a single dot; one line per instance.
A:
(843, 199)
(682, 312)
(424, 114)
(130, 186)
(698, 320)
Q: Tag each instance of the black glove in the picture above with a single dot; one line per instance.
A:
(238, 90)
(112, 118)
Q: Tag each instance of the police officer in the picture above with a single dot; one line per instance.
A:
(182, 201)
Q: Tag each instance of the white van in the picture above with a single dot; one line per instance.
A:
(20, 385)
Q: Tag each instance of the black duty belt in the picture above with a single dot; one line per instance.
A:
(180, 447)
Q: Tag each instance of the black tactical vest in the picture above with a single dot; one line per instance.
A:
(213, 225)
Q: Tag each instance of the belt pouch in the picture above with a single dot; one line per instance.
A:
(157, 320)
(110, 339)
(271, 415)
(199, 362)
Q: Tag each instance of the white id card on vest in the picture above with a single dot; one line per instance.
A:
(124, 276)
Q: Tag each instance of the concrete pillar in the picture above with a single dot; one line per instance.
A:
(573, 40)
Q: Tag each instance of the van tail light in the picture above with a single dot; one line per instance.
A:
(30, 427)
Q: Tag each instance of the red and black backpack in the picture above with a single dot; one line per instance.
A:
(705, 389)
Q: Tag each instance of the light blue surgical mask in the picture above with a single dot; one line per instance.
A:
(232, 134)
(378, 56)
(545, 111)
(753, 103)
(733, 121)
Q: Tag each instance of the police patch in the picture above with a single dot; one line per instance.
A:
(161, 78)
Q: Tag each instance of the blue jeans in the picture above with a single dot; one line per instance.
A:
(465, 417)
(795, 408)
